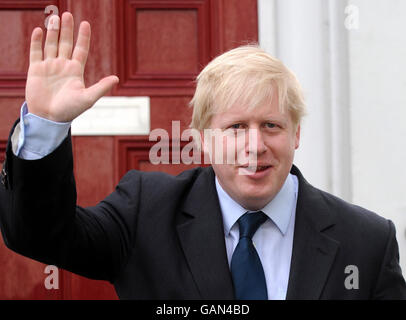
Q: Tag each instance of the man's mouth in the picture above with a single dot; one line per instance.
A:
(254, 169)
(257, 168)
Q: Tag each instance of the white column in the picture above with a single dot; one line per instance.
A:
(338, 74)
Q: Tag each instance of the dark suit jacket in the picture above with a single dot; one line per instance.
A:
(161, 237)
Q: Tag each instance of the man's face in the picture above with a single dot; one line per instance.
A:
(276, 138)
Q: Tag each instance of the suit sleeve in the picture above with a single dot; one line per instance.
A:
(39, 217)
(390, 284)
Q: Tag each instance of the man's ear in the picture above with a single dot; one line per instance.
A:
(201, 137)
(297, 138)
(203, 143)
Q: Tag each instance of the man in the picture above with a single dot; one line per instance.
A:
(245, 230)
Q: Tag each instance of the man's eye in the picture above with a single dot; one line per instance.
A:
(236, 126)
(270, 125)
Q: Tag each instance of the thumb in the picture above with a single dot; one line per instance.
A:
(99, 89)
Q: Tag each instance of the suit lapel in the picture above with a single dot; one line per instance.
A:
(313, 251)
(201, 234)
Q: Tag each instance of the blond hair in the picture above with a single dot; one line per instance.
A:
(246, 75)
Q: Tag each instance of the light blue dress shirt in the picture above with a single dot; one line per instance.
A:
(36, 137)
(273, 239)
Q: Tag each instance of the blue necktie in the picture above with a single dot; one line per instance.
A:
(246, 268)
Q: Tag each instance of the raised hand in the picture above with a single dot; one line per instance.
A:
(55, 87)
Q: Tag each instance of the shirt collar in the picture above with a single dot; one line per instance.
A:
(279, 210)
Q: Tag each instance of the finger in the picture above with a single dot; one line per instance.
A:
(51, 41)
(66, 38)
(98, 90)
(81, 50)
(36, 46)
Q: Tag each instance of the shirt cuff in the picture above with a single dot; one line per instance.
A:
(38, 136)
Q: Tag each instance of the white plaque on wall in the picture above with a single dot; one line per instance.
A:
(115, 116)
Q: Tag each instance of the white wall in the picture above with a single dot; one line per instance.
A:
(377, 52)
(354, 78)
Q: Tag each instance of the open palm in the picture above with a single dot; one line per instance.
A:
(55, 87)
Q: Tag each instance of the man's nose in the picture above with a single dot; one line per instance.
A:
(255, 142)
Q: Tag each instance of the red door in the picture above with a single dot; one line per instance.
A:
(157, 48)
